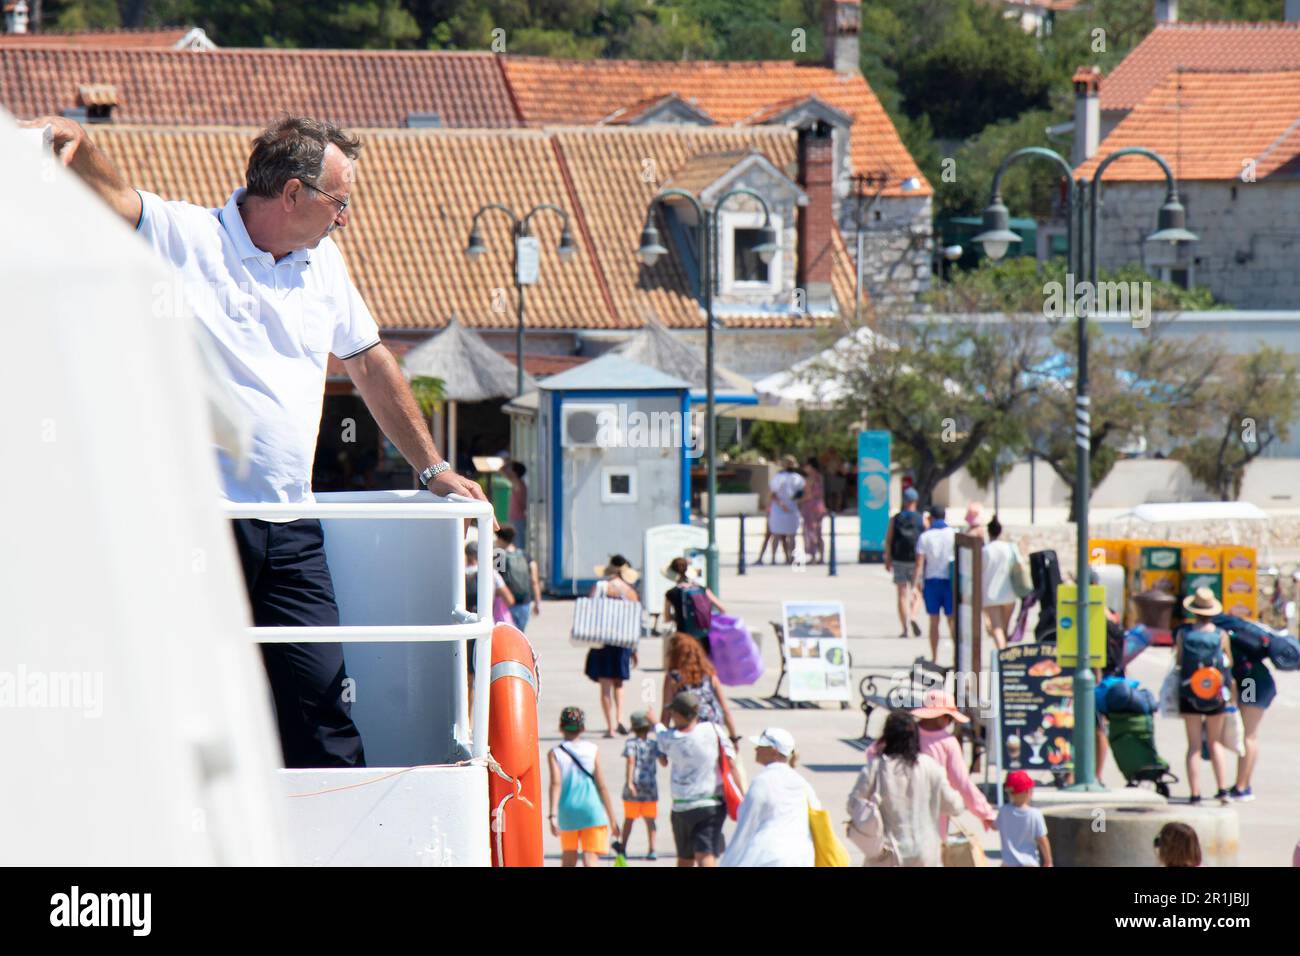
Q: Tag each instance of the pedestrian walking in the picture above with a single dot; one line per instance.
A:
(1254, 689)
(692, 750)
(783, 509)
(910, 792)
(641, 787)
(1000, 558)
(975, 526)
(688, 604)
(900, 559)
(1203, 655)
(687, 669)
(581, 811)
(609, 666)
(934, 553)
(519, 572)
(935, 719)
(518, 508)
(1177, 845)
(812, 508)
(773, 828)
(1022, 828)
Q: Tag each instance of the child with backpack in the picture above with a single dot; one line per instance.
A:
(519, 572)
(581, 811)
(688, 605)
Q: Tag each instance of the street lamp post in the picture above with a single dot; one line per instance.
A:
(524, 263)
(1082, 259)
(706, 223)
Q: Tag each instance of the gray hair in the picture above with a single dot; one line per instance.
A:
(293, 147)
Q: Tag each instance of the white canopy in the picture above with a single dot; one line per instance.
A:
(1196, 511)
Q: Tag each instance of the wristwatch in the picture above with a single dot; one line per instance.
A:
(432, 472)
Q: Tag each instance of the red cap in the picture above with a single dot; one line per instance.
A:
(1019, 782)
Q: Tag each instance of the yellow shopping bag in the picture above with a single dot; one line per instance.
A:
(827, 848)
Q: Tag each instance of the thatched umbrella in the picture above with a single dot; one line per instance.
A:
(469, 368)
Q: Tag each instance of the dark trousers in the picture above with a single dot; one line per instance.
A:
(289, 584)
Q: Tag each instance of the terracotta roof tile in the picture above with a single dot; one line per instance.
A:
(554, 91)
(1209, 127)
(417, 192)
(1199, 46)
(163, 39)
(363, 88)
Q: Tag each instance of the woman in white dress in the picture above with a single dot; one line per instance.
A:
(999, 596)
(783, 507)
(772, 828)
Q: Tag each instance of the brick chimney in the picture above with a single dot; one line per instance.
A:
(1087, 113)
(816, 251)
(1166, 11)
(841, 21)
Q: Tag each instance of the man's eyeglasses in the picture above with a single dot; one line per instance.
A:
(342, 203)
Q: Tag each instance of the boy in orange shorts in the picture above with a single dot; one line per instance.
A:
(641, 790)
(581, 811)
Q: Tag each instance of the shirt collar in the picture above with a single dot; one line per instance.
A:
(233, 223)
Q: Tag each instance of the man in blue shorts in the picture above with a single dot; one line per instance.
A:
(934, 553)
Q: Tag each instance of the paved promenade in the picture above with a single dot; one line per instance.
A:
(829, 738)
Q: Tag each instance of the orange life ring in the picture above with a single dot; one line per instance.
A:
(515, 811)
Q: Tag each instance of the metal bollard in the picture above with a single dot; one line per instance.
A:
(740, 564)
(831, 569)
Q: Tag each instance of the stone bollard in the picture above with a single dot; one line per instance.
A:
(1112, 835)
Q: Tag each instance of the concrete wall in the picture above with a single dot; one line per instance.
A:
(897, 246)
(1269, 483)
(1255, 222)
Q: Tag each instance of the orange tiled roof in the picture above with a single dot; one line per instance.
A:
(364, 88)
(417, 191)
(164, 39)
(1206, 129)
(1199, 46)
(553, 91)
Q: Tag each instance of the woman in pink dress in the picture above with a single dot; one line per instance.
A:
(813, 508)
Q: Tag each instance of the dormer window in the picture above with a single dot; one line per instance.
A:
(747, 266)
(742, 270)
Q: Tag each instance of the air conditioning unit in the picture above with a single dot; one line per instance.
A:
(589, 426)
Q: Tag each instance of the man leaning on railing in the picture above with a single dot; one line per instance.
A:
(271, 288)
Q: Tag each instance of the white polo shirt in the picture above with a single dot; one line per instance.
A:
(275, 324)
(937, 546)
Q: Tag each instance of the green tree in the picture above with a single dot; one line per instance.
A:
(1247, 409)
(1144, 387)
(942, 389)
(1031, 187)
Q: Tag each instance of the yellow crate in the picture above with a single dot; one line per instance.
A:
(1114, 549)
(1241, 605)
(1198, 559)
(1237, 558)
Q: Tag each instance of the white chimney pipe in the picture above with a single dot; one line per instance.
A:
(1087, 113)
(16, 19)
(1166, 11)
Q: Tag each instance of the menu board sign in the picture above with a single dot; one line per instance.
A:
(1036, 703)
(816, 654)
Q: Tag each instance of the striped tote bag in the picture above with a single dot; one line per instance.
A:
(606, 621)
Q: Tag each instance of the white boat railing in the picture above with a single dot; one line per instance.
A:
(421, 506)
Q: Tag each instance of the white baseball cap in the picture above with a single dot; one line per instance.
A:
(782, 741)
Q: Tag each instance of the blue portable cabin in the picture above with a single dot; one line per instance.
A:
(611, 449)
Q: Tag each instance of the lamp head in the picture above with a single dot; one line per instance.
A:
(567, 249)
(1171, 223)
(766, 247)
(651, 248)
(475, 249)
(997, 235)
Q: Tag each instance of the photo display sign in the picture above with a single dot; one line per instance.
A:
(1036, 704)
(815, 649)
